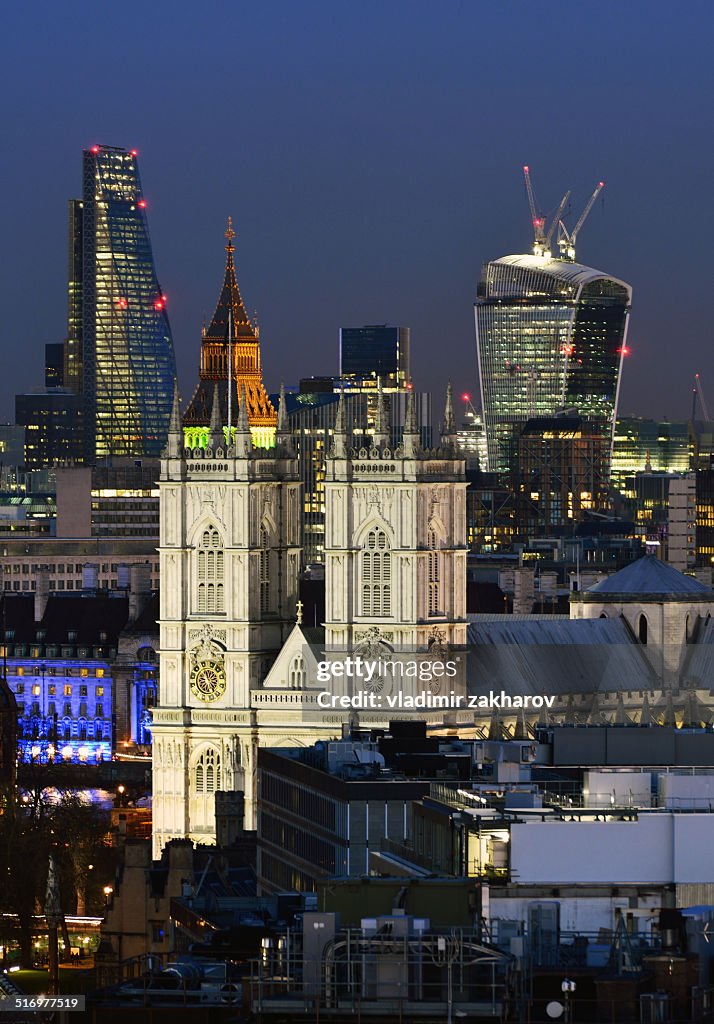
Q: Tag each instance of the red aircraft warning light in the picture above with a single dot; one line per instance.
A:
(94, 149)
(141, 204)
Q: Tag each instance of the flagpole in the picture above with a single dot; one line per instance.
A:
(230, 387)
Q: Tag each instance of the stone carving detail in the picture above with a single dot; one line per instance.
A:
(205, 647)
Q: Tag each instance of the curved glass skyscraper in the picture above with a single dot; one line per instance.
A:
(551, 335)
(127, 369)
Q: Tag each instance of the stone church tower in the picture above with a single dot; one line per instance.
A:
(237, 670)
(395, 540)
(229, 549)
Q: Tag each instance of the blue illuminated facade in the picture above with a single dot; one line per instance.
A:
(83, 676)
(64, 707)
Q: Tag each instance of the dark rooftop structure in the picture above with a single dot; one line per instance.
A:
(649, 576)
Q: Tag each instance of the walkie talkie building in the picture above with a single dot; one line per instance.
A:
(551, 336)
(127, 369)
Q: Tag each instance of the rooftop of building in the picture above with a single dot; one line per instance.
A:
(650, 576)
(76, 619)
(575, 274)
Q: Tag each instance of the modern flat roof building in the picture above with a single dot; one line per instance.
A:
(376, 350)
(642, 445)
(551, 335)
(127, 367)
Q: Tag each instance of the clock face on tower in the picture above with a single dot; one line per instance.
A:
(208, 680)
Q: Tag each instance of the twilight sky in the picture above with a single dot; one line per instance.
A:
(370, 154)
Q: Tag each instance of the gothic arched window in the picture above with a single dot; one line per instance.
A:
(376, 559)
(207, 773)
(264, 570)
(434, 574)
(210, 572)
(297, 673)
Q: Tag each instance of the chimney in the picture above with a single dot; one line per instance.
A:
(230, 816)
(139, 589)
(42, 592)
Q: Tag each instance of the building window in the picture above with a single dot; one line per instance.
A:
(264, 570)
(207, 774)
(434, 574)
(68, 689)
(210, 572)
(376, 575)
(297, 673)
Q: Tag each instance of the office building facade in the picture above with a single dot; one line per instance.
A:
(127, 369)
(50, 420)
(551, 335)
(378, 351)
(642, 445)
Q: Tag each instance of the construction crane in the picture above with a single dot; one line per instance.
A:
(537, 219)
(542, 239)
(556, 220)
(567, 239)
(698, 392)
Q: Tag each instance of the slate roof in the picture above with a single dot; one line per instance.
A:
(550, 655)
(648, 576)
(88, 617)
(699, 665)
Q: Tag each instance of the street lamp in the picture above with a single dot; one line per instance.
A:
(567, 987)
(108, 890)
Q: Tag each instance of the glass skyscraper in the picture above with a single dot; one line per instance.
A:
(127, 368)
(378, 351)
(551, 336)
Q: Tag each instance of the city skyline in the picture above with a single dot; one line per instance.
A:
(365, 192)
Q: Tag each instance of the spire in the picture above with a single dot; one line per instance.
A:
(283, 434)
(448, 430)
(411, 427)
(282, 425)
(243, 442)
(230, 298)
(339, 440)
(646, 715)
(174, 440)
(231, 335)
(381, 424)
(215, 431)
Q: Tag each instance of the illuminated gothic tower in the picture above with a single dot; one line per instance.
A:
(119, 354)
(241, 336)
(395, 539)
(229, 550)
